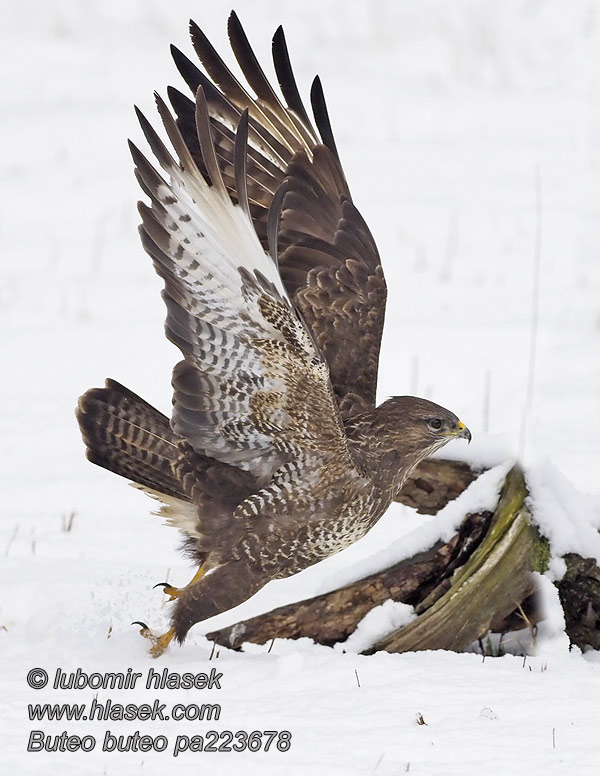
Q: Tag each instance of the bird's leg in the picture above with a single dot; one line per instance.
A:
(159, 643)
(177, 592)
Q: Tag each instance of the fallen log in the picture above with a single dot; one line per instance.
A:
(434, 483)
(493, 582)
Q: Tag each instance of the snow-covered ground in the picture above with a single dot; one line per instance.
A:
(470, 133)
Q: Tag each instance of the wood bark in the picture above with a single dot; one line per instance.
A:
(579, 592)
(489, 586)
(434, 483)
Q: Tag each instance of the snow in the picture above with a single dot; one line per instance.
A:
(568, 518)
(445, 115)
(376, 624)
(551, 638)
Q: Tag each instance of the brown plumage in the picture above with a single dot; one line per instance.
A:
(275, 455)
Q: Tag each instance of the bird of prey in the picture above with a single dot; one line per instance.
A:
(276, 455)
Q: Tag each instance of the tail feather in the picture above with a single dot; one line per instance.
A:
(128, 436)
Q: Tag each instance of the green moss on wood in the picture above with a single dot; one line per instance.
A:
(540, 553)
(488, 587)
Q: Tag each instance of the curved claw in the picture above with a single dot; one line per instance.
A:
(172, 592)
(159, 643)
(176, 592)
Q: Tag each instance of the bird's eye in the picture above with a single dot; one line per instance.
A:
(435, 424)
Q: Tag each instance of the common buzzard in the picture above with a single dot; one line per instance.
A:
(275, 455)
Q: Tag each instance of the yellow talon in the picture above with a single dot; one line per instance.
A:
(172, 592)
(176, 592)
(159, 643)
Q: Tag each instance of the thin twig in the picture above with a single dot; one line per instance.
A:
(535, 304)
(11, 539)
(67, 522)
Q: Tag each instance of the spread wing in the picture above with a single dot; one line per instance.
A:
(252, 390)
(327, 258)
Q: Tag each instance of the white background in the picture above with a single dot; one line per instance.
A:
(445, 113)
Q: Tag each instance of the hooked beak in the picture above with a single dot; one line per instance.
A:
(462, 432)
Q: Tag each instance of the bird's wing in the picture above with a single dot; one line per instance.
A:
(327, 257)
(253, 389)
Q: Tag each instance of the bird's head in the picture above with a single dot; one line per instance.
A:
(421, 426)
(393, 438)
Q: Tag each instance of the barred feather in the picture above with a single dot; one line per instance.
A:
(237, 398)
(128, 436)
(308, 224)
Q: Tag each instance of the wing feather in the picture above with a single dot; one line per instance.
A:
(241, 175)
(250, 368)
(292, 129)
(313, 226)
(319, 106)
(287, 80)
(224, 78)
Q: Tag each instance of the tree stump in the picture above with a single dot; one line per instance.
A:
(579, 592)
